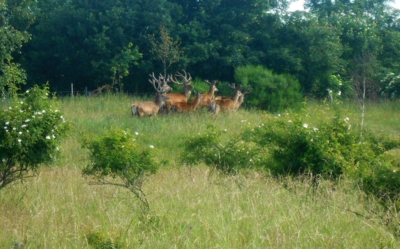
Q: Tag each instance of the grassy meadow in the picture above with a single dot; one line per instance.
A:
(189, 207)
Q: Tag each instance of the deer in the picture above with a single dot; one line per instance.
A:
(227, 104)
(188, 106)
(209, 97)
(179, 97)
(241, 98)
(144, 108)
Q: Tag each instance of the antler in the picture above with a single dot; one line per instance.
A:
(233, 86)
(162, 86)
(184, 77)
(249, 89)
(214, 82)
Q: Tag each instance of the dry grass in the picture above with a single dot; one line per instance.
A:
(189, 207)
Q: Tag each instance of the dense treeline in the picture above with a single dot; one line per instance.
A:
(335, 45)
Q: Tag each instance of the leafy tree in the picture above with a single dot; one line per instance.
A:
(270, 91)
(11, 40)
(166, 49)
(87, 43)
(32, 129)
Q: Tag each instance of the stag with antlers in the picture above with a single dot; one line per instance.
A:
(187, 87)
(145, 108)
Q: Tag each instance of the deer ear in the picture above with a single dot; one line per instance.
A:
(190, 87)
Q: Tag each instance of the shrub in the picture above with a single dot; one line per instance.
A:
(270, 91)
(99, 240)
(226, 157)
(116, 155)
(32, 128)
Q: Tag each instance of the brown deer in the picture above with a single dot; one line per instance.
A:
(227, 104)
(209, 97)
(179, 97)
(145, 108)
(241, 98)
(188, 106)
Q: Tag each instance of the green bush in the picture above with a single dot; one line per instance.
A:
(270, 92)
(99, 240)
(227, 157)
(32, 128)
(116, 155)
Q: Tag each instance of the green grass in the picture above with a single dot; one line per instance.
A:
(189, 208)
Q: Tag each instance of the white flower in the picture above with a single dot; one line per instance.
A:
(27, 120)
(225, 130)
(312, 140)
(27, 91)
(243, 121)
(289, 121)
(7, 123)
(21, 111)
(53, 136)
(14, 129)
(315, 129)
(394, 171)
(251, 160)
(20, 132)
(56, 111)
(152, 146)
(3, 160)
(9, 107)
(305, 125)
(23, 126)
(57, 149)
(346, 119)
(19, 140)
(48, 137)
(339, 93)
(136, 133)
(5, 127)
(44, 111)
(279, 115)
(123, 146)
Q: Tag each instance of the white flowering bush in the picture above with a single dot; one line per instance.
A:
(116, 159)
(31, 130)
(227, 156)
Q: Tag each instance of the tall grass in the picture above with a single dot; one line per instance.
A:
(189, 207)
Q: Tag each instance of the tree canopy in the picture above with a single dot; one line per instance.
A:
(93, 43)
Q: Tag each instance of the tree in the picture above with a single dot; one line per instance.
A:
(166, 49)
(11, 40)
(271, 91)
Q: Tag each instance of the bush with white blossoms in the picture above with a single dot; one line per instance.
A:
(117, 159)
(31, 130)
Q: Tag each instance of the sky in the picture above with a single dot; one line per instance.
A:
(299, 5)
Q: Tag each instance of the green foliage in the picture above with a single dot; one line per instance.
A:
(116, 154)
(11, 40)
(391, 86)
(227, 157)
(270, 91)
(99, 240)
(32, 129)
